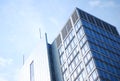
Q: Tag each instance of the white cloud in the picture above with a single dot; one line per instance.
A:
(24, 21)
(94, 3)
(3, 79)
(54, 21)
(102, 4)
(5, 62)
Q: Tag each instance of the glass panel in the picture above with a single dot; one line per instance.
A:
(82, 41)
(80, 33)
(62, 58)
(32, 71)
(61, 49)
(85, 48)
(93, 76)
(87, 57)
(90, 66)
(77, 26)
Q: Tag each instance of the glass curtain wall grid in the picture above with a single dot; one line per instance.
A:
(75, 56)
(90, 50)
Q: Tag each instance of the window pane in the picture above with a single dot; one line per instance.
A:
(61, 49)
(90, 66)
(85, 48)
(32, 71)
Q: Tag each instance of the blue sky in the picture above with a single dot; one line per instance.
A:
(20, 21)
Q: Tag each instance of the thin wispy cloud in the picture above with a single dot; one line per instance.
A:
(102, 3)
(24, 21)
(3, 79)
(53, 21)
(94, 3)
(5, 62)
(21, 22)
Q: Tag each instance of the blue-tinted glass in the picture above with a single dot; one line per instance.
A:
(106, 45)
(85, 23)
(32, 71)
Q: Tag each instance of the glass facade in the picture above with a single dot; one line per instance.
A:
(90, 51)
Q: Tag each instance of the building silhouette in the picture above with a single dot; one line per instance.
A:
(86, 49)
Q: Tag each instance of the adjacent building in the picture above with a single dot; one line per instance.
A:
(36, 66)
(86, 49)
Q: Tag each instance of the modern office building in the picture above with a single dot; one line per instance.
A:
(86, 49)
(36, 66)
